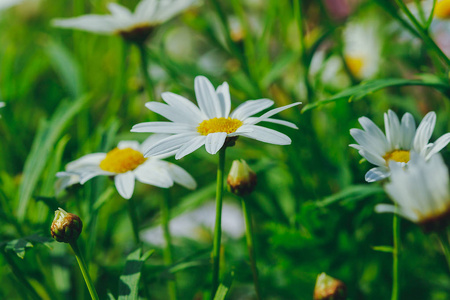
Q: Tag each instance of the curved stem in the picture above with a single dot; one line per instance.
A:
(144, 69)
(218, 225)
(84, 271)
(250, 246)
(396, 236)
(168, 256)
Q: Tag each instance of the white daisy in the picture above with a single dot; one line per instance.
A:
(211, 124)
(400, 139)
(421, 190)
(362, 47)
(132, 26)
(127, 163)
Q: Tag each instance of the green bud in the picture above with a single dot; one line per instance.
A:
(66, 227)
(241, 179)
(329, 288)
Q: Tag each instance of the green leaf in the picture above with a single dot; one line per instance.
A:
(224, 287)
(20, 246)
(129, 280)
(351, 193)
(279, 67)
(358, 92)
(44, 141)
(387, 249)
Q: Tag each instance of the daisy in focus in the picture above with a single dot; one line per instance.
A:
(126, 163)
(380, 149)
(131, 26)
(421, 190)
(210, 124)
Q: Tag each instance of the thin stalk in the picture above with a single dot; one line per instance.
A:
(396, 237)
(149, 87)
(120, 86)
(84, 271)
(250, 245)
(167, 253)
(445, 244)
(218, 225)
(21, 277)
(134, 220)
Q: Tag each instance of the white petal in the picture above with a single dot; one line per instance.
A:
(408, 128)
(377, 174)
(168, 9)
(375, 133)
(119, 10)
(215, 141)
(223, 93)
(369, 142)
(129, 144)
(145, 10)
(206, 97)
(153, 173)
(372, 157)
(183, 104)
(170, 144)
(173, 114)
(152, 140)
(125, 184)
(276, 121)
(92, 23)
(424, 132)
(392, 128)
(89, 174)
(250, 107)
(241, 130)
(190, 146)
(92, 159)
(163, 127)
(268, 136)
(180, 176)
(274, 111)
(438, 145)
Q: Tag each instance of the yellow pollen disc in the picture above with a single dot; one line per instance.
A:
(442, 9)
(397, 155)
(227, 125)
(122, 160)
(355, 64)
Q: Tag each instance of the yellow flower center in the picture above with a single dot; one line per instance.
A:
(397, 155)
(122, 160)
(227, 125)
(442, 9)
(355, 65)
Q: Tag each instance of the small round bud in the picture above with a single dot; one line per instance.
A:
(66, 227)
(329, 288)
(241, 179)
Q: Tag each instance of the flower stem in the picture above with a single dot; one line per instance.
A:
(250, 245)
(396, 236)
(168, 256)
(144, 69)
(134, 220)
(84, 271)
(445, 244)
(218, 225)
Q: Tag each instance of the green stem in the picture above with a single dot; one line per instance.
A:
(218, 225)
(144, 69)
(396, 236)
(84, 271)
(21, 278)
(250, 245)
(120, 86)
(134, 220)
(445, 244)
(168, 256)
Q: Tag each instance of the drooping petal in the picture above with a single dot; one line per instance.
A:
(267, 135)
(424, 132)
(206, 97)
(250, 107)
(377, 174)
(274, 111)
(223, 93)
(438, 145)
(190, 146)
(183, 104)
(180, 176)
(215, 141)
(93, 23)
(389, 208)
(163, 127)
(170, 144)
(125, 184)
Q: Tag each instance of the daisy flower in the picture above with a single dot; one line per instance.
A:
(379, 149)
(210, 124)
(135, 26)
(126, 163)
(421, 190)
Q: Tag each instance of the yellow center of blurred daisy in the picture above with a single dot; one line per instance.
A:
(227, 125)
(442, 9)
(355, 64)
(397, 155)
(122, 160)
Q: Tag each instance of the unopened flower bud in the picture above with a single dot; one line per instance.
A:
(329, 288)
(66, 227)
(241, 179)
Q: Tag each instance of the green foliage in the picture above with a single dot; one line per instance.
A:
(20, 246)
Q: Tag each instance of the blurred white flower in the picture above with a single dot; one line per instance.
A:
(199, 224)
(211, 124)
(126, 163)
(132, 26)
(2, 104)
(362, 47)
(400, 139)
(4, 4)
(65, 180)
(421, 190)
